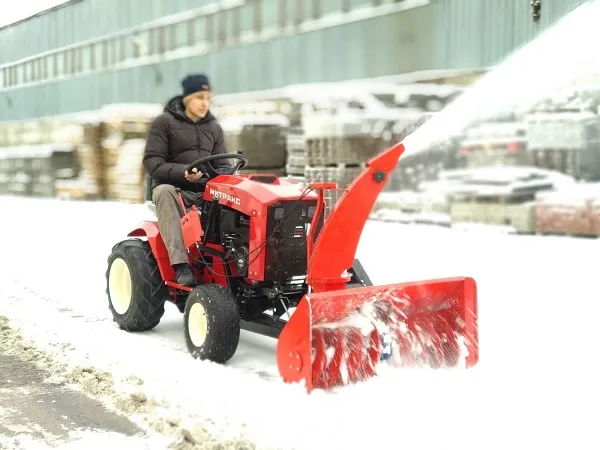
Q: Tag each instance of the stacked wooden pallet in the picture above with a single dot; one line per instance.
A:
(568, 142)
(261, 138)
(337, 149)
(125, 175)
(123, 144)
(297, 160)
(91, 182)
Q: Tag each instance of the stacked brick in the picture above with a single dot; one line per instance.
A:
(574, 213)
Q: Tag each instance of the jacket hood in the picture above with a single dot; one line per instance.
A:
(176, 109)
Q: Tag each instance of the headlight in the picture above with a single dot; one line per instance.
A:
(240, 259)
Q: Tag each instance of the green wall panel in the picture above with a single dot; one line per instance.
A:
(445, 34)
(83, 20)
(480, 33)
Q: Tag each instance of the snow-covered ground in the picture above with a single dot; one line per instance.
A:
(536, 384)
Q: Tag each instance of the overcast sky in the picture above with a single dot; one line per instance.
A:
(12, 11)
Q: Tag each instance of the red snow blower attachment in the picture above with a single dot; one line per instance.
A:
(339, 334)
(259, 246)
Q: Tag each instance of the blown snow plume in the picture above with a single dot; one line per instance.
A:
(338, 334)
(560, 56)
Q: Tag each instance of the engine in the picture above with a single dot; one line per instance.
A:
(285, 247)
(285, 251)
(284, 223)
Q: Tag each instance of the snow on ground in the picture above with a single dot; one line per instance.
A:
(89, 440)
(536, 384)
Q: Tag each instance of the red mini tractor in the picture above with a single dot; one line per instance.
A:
(269, 260)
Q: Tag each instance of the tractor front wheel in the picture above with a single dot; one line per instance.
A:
(212, 323)
(135, 289)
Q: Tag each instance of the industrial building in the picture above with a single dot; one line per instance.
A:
(88, 53)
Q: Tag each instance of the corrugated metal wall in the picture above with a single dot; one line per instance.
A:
(446, 34)
(480, 33)
(82, 20)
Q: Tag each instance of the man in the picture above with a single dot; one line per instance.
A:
(185, 132)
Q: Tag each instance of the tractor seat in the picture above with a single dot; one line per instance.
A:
(152, 207)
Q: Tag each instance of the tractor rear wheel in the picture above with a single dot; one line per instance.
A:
(135, 289)
(212, 323)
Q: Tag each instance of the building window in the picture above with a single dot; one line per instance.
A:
(200, 29)
(92, 50)
(73, 57)
(26, 72)
(298, 12)
(209, 28)
(56, 65)
(79, 60)
(121, 49)
(37, 72)
(49, 67)
(172, 41)
(269, 14)
(19, 74)
(221, 27)
(331, 6)
(257, 21)
(136, 42)
(247, 17)
(112, 52)
(191, 32)
(104, 62)
(282, 13)
(43, 68)
(151, 41)
(161, 40)
(66, 63)
(234, 14)
(316, 9)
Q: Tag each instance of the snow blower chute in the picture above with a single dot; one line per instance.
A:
(339, 334)
(260, 245)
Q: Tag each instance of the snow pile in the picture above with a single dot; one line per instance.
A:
(576, 194)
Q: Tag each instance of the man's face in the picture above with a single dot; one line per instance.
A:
(198, 103)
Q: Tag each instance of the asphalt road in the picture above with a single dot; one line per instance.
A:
(45, 412)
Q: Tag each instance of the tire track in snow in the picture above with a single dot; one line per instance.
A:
(255, 354)
(125, 396)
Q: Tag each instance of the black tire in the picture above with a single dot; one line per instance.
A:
(222, 333)
(148, 292)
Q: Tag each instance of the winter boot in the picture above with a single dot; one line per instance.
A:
(185, 275)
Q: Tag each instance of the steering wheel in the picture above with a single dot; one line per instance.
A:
(208, 168)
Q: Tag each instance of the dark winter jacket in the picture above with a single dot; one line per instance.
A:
(174, 141)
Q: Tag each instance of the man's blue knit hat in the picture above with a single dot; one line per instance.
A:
(195, 83)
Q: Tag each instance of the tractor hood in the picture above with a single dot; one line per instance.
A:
(253, 192)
